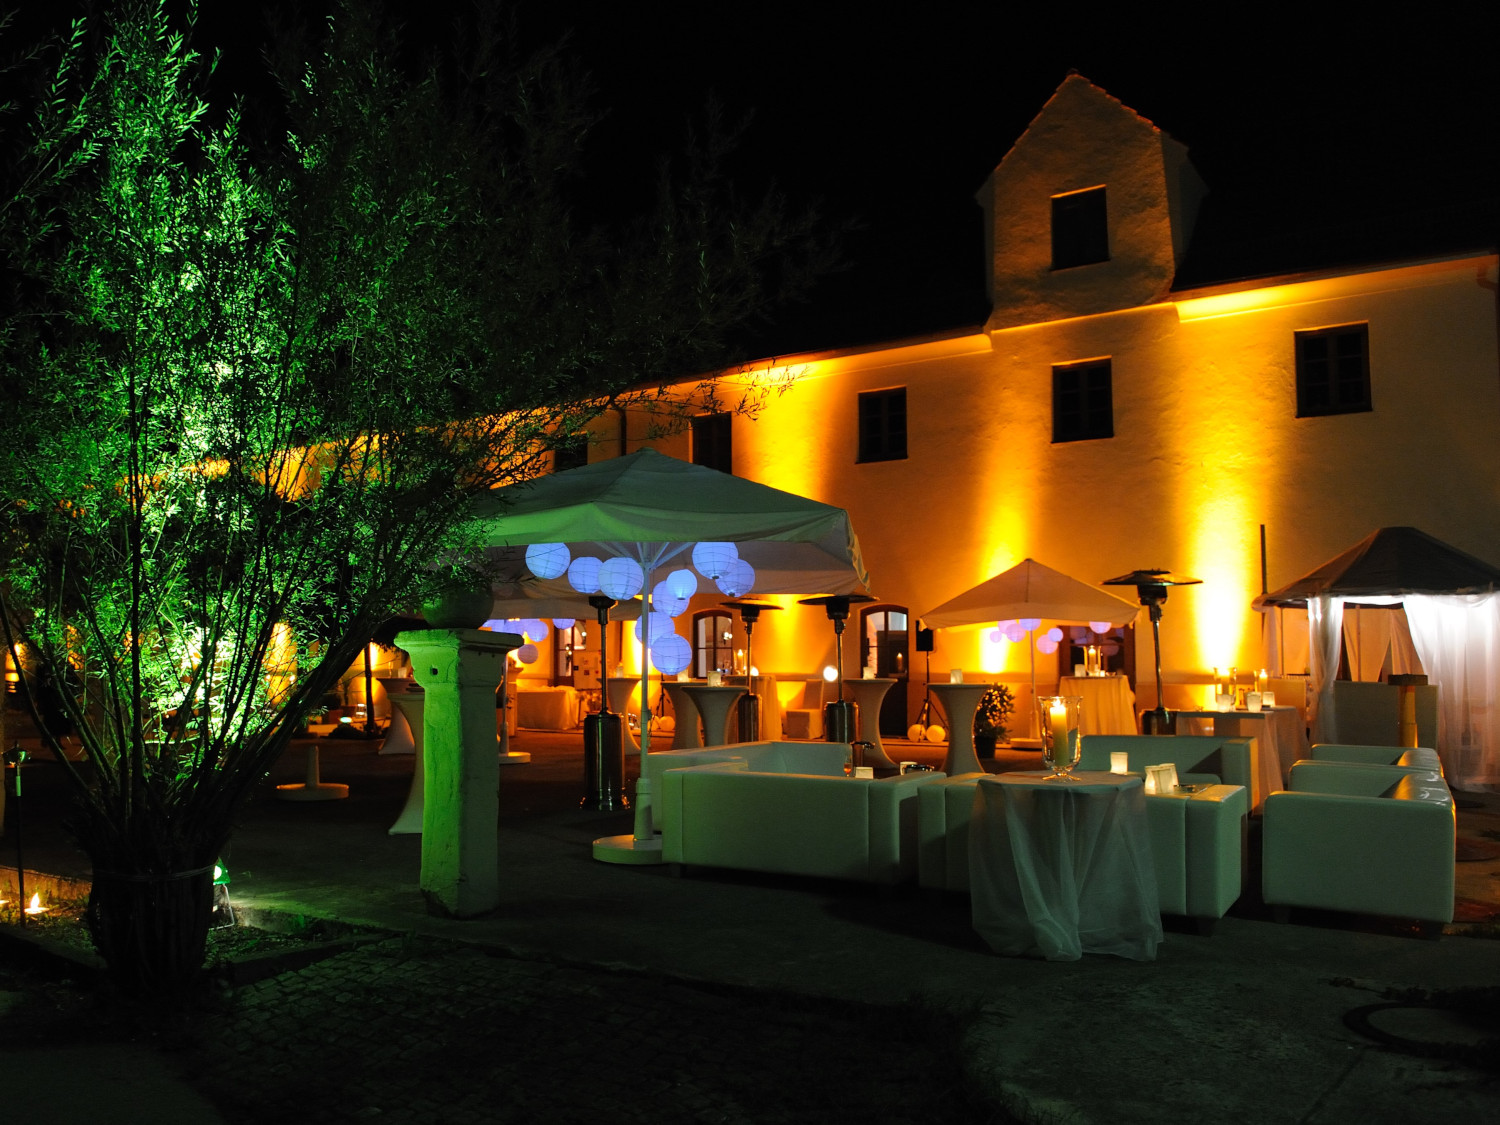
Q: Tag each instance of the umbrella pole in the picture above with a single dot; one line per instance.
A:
(1036, 724)
(643, 829)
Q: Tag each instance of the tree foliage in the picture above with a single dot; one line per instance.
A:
(252, 394)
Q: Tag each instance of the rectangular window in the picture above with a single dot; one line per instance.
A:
(1333, 371)
(882, 425)
(1080, 229)
(711, 442)
(1082, 401)
(570, 453)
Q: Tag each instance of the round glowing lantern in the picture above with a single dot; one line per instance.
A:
(534, 628)
(665, 600)
(683, 583)
(621, 578)
(548, 560)
(916, 732)
(738, 580)
(563, 622)
(659, 624)
(997, 637)
(1015, 631)
(1100, 626)
(1029, 623)
(1054, 634)
(936, 733)
(1046, 645)
(583, 574)
(712, 560)
(830, 673)
(527, 654)
(671, 654)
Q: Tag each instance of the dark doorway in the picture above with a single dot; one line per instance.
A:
(885, 646)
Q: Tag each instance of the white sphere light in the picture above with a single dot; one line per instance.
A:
(564, 622)
(659, 625)
(997, 637)
(738, 581)
(583, 574)
(1015, 631)
(683, 583)
(1100, 626)
(665, 600)
(1029, 623)
(830, 673)
(527, 654)
(534, 629)
(671, 654)
(548, 560)
(621, 578)
(1046, 645)
(712, 560)
(1053, 634)
(916, 732)
(936, 733)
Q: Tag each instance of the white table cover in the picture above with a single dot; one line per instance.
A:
(548, 708)
(1062, 868)
(1108, 703)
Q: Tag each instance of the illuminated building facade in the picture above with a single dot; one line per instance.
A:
(1114, 413)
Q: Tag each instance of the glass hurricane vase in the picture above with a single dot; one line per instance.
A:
(1061, 719)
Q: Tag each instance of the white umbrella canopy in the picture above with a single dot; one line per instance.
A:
(1027, 590)
(653, 508)
(536, 597)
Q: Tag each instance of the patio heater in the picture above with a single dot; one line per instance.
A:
(1151, 588)
(603, 734)
(839, 716)
(749, 703)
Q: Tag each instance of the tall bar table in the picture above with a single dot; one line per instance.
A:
(713, 702)
(685, 715)
(868, 695)
(959, 702)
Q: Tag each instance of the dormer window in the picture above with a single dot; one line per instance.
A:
(1080, 229)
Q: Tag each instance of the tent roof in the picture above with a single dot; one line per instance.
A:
(1393, 560)
(653, 507)
(1030, 589)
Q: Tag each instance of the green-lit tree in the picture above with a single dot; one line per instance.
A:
(250, 396)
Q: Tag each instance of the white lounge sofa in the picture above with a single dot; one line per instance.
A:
(1197, 844)
(766, 756)
(725, 814)
(1418, 758)
(1366, 839)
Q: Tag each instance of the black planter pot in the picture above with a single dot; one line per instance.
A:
(984, 745)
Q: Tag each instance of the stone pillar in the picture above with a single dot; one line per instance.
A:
(459, 670)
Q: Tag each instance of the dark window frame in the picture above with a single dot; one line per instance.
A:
(1080, 228)
(1082, 403)
(713, 441)
(1333, 371)
(570, 453)
(882, 425)
(707, 657)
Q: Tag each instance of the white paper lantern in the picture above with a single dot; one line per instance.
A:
(665, 601)
(621, 578)
(936, 734)
(1047, 645)
(1016, 632)
(1100, 626)
(1029, 623)
(997, 637)
(713, 559)
(683, 583)
(671, 654)
(659, 624)
(583, 574)
(738, 581)
(526, 654)
(564, 622)
(534, 628)
(830, 673)
(548, 560)
(1053, 634)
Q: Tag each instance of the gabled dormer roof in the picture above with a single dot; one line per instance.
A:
(1084, 140)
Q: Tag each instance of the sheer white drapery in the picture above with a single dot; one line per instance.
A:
(1377, 639)
(1457, 637)
(1325, 627)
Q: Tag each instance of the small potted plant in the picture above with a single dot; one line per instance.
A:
(990, 719)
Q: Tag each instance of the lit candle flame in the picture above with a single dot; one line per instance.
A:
(36, 906)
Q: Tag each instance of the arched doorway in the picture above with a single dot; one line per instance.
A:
(712, 643)
(885, 647)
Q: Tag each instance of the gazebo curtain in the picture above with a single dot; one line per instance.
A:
(1325, 630)
(1457, 637)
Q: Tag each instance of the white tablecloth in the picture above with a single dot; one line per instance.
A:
(1108, 703)
(1280, 740)
(548, 708)
(1062, 868)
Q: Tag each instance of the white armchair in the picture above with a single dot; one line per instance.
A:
(1415, 758)
(1368, 839)
(766, 757)
(804, 718)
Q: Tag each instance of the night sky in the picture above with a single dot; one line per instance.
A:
(892, 116)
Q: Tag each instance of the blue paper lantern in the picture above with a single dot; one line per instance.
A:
(683, 583)
(665, 601)
(1015, 631)
(621, 578)
(712, 560)
(738, 580)
(659, 625)
(1054, 634)
(671, 654)
(583, 574)
(548, 560)
(526, 654)
(1029, 623)
(1100, 626)
(534, 628)
(563, 622)
(1046, 645)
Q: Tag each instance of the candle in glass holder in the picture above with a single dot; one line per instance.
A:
(1261, 681)
(1252, 701)
(956, 676)
(1119, 761)
(715, 679)
(1268, 699)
